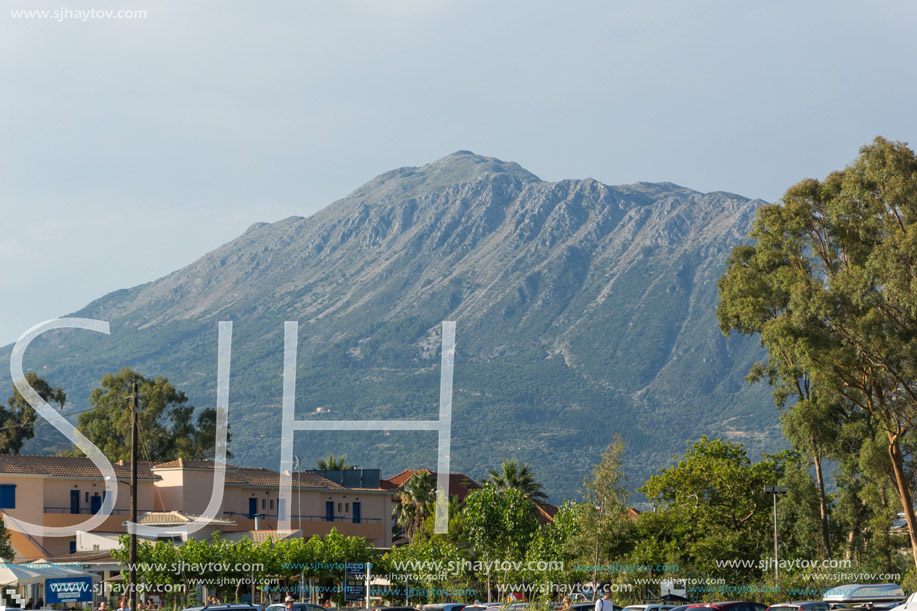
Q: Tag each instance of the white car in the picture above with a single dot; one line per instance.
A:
(649, 607)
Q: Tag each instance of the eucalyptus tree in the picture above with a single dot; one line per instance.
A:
(17, 419)
(829, 286)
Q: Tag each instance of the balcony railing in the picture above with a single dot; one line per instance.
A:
(89, 510)
(303, 518)
(230, 514)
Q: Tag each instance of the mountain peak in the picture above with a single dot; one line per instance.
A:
(461, 167)
(472, 164)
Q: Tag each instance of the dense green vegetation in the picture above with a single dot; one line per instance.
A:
(709, 511)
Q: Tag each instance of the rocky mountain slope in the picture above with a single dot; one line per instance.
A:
(583, 310)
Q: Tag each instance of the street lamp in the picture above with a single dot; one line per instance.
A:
(775, 490)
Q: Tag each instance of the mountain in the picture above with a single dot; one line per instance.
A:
(583, 311)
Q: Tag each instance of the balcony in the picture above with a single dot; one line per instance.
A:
(89, 510)
(301, 518)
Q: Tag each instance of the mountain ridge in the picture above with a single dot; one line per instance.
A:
(576, 302)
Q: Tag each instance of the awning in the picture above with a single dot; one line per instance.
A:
(36, 572)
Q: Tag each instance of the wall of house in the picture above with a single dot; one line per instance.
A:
(188, 490)
(29, 497)
(57, 494)
(169, 493)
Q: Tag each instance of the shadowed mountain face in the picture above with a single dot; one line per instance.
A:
(582, 311)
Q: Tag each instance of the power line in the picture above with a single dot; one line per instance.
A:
(40, 420)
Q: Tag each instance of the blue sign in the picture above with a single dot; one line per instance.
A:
(68, 590)
(354, 581)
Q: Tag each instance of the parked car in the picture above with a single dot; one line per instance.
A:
(859, 595)
(587, 606)
(445, 607)
(296, 607)
(649, 607)
(809, 605)
(591, 607)
(730, 605)
(909, 605)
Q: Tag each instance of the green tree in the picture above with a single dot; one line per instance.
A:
(812, 420)
(6, 548)
(603, 522)
(416, 501)
(17, 419)
(165, 420)
(424, 553)
(867, 503)
(514, 476)
(456, 525)
(334, 463)
(829, 287)
(554, 550)
(499, 524)
(711, 505)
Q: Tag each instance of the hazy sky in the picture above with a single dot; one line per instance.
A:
(131, 147)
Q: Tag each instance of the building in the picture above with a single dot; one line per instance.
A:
(460, 485)
(65, 491)
(355, 505)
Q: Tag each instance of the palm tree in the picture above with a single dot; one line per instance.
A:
(334, 463)
(415, 502)
(521, 478)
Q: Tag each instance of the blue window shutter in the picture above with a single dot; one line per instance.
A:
(7, 496)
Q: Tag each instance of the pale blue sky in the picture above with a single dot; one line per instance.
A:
(131, 147)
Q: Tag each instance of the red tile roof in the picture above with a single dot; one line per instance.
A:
(67, 466)
(188, 463)
(460, 485)
(177, 517)
(546, 512)
(255, 477)
(265, 478)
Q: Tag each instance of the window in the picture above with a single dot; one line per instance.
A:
(272, 504)
(346, 507)
(339, 508)
(7, 496)
(87, 496)
(263, 503)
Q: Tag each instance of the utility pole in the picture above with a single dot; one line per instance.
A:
(775, 490)
(369, 568)
(133, 548)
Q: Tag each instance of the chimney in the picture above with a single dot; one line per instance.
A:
(257, 522)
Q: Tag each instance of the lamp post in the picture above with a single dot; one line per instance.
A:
(133, 541)
(775, 490)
